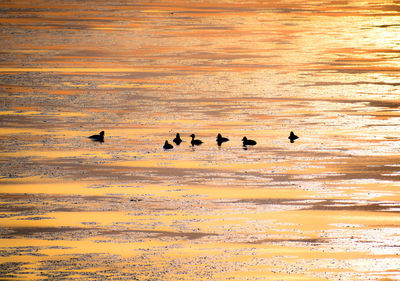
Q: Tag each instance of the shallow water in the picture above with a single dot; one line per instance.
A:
(325, 207)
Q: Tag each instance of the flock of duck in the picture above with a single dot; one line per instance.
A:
(195, 142)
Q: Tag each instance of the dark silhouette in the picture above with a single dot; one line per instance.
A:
(167, 145)
(177, 139)
(195, 142)
(220, 139)
(99, 137)
(292, 137)
(247, 142)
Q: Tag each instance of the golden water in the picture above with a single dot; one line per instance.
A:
(325, 207)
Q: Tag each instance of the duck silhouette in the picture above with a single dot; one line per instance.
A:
(195, 142)
(292, 137)
(247, 142)
(221, 140)
(99, 137)
(167, 145)
(177, 139)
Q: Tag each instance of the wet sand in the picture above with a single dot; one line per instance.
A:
(325, 207)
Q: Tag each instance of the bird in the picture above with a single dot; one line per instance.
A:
(220, 139)
(195, 142)
(167, 145)
(177, 139)
(99, 137)
(247, 142)
(292, 137)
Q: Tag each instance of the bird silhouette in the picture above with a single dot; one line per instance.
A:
(177, 139)
(247, 142)
(221, 140)
(195, 142)
(167, 145)
(99, 137)
(292, 137)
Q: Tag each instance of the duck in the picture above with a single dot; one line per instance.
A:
(247, 142)
(167, 145)
(195, 142)
(177, 139)
(220, 139)
(292, 137)
(99, 137)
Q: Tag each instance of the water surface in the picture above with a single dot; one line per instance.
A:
(325, 207)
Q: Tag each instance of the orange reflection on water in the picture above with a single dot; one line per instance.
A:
(322, 208)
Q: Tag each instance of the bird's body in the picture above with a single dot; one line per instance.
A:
(167, 145)
(292, 137)
(99, 137)
(177, 139)
(221, 139)
(247, 142)
(195, 142)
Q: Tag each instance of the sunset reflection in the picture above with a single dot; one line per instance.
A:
(324, 207)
